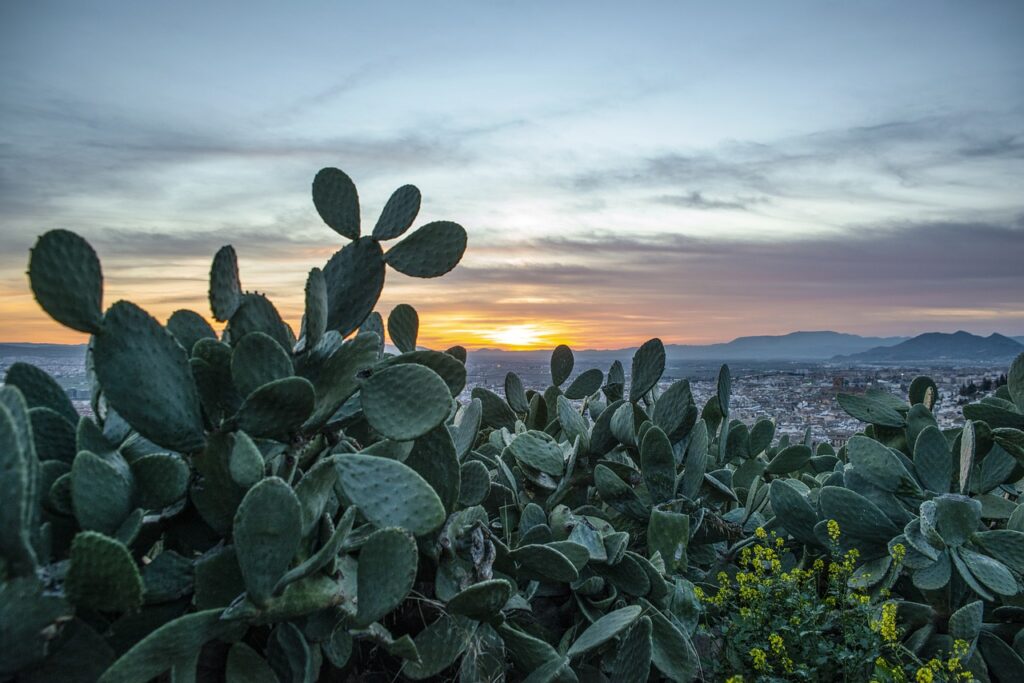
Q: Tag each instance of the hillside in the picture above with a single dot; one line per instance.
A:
(793, 346)
(936, 346)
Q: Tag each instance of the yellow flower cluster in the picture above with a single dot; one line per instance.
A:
(838, 570)
(760, 658)
(886, 625)
(833, 530)
(734, 679)
(954, 664)
(779, 650)
(898, 552)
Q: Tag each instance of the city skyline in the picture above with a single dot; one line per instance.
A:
(817, 166)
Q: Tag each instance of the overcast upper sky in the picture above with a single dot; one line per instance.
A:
(694, 171)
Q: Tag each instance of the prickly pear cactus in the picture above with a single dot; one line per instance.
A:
(259, 506)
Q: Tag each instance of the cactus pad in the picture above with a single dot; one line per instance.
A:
(160, 480)
(225, 287)
(100, 492)
(67, 281)
(316, 307)
(267, 531)
(389, 493)
(481, 601)
(164, 409)
(429, 251)
(355, 278)
(398, 214)
(278, 407)
(387, 570)
(257, 360)
(188, 327)
(539, 451)
(403, 327)
(337, 201)
(40, 390)
(648, 366)
(604, 629)
(405, 401)
(102, 574)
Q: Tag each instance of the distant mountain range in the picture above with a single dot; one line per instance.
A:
(792, 346)
(795, 346)
(936, 346)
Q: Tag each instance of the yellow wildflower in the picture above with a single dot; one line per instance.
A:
(833, 530)
(760, 532)
(886, 626)
(899, 551)
(760, 658)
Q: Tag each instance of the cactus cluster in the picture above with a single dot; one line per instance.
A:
(261, 506)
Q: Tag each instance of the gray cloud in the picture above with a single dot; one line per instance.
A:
(866, 275)
(847, 162)
(697, 200)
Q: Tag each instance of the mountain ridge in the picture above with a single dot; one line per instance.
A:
(935, 346)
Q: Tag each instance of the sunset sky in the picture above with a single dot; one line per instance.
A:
(694, 171)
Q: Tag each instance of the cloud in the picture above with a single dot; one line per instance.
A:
(850, 162)
(697, 200)
(893, 278)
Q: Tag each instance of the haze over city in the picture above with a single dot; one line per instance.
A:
(622, 172)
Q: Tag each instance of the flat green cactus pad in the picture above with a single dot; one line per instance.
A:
(604, 629)
(164, 408)
(389, 493)
(101, 492)
(40, 390)
(405, 401)
(26, 616)
(546, 562)
(267, 531)
(439, 645)
(539, 451)
(495, 411)
(188, 327)
(53, 435)
(257, 360)
(225, 287)
(278, 407)
(585, 384)
(337, 201)
(244, 665)
(355, 278)
(316, 307)
(175, 642)
(658, 465)
(429, 251)
(102, 575)
(160, 480)
(403, 327)
(648, 367)
(790, 459)
(67, 281)
(793, 511)
(338, 380)
(633, 658)
(481, 601)
(446, 366)
(387, 570)
(398, 214)
(256, 313)
(867, 409)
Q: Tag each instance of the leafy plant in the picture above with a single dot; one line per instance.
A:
(261, 505)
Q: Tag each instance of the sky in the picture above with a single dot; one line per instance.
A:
(692, 171)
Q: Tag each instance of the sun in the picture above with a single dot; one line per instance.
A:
(518, 336)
